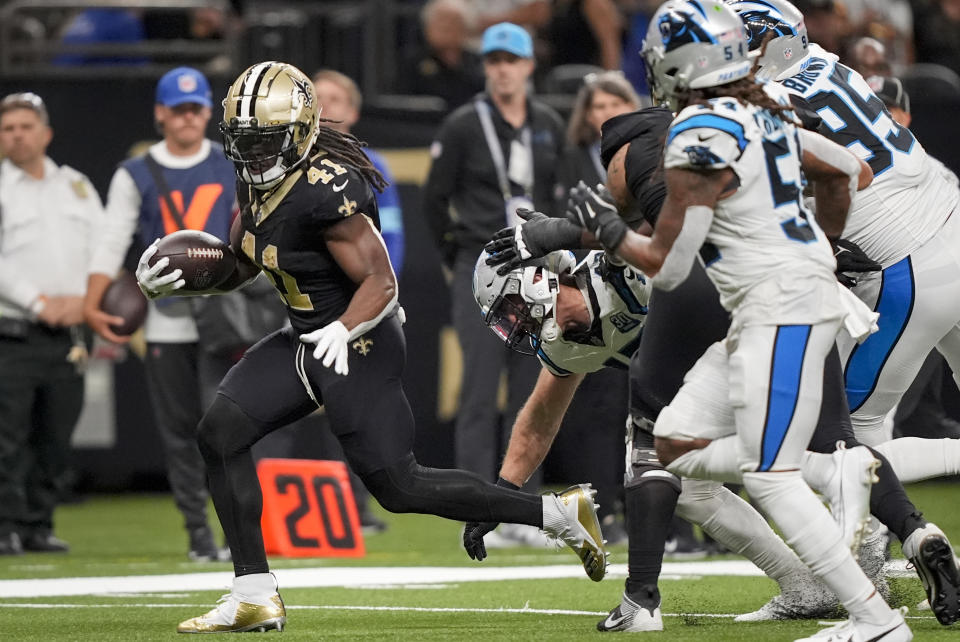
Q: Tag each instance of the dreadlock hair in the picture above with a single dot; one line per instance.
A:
(745, 90)
(349, 149)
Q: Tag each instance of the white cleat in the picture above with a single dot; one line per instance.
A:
(803, 597)
(848, 491)
(514, 535)
(571, 517)
(630, 617)
(895, 630)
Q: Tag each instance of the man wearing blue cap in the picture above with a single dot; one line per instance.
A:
(491, 156)
(184, 181)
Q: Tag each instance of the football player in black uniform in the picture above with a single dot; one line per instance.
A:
(681, 324)
(309, 222)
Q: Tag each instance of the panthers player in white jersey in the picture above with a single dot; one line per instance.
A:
(733, 172)
(580, 319)
(904, 222)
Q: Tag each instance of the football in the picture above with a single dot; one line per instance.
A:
(205, 260)
(124, 299)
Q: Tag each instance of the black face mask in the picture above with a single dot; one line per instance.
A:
(510, 319)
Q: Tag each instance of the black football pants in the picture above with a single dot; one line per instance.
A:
(41, 396)
(370, 416)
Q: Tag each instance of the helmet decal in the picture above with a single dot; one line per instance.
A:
(305, 92)
(781, 25)
(678, 28)
(759, 23)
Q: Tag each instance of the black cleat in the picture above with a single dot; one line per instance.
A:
(932, 556)
(10, 544)
(44, 542)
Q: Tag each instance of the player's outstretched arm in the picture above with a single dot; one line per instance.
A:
(682, 224)
(537, 425)
(532, 435)
(536, 237)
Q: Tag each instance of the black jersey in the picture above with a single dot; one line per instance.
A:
(283, 233)
(646, 131)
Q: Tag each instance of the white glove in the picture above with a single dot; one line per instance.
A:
(151, 282)
(331, 341)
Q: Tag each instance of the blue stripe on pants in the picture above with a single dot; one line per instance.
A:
(895, 305)
(788, 350)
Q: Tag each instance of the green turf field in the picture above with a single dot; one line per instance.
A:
(140, 535)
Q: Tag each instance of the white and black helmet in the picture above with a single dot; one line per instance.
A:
(693, 44)
(518, 306)
(789, 43)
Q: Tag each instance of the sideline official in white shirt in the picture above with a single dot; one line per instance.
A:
(48, 217)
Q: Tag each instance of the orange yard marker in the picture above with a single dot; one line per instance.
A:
(308, 509)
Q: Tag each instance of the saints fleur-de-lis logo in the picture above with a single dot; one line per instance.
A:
(348, 207)
(304, 90)
(362, 346)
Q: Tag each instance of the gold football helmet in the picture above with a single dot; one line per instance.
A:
(270, 122)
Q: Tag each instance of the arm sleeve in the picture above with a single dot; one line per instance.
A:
(683, 252)
(832, 154)
(119, 225)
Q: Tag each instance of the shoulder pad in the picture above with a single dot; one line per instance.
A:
(547, 363)
(708, 136)
(620, 130)
(337, 190)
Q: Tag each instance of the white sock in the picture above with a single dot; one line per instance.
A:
(255, 585)
(554, 520)
(737, 525)
(719, 461)
(817, 469)
(914, 459)
(812, 533)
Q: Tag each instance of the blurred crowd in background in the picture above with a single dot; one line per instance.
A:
(432, 48)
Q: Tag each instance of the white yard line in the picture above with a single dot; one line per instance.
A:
(417, 609)
(342, 576)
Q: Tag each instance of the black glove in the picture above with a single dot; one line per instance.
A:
(594, 210)
(473, 532)
(851, 259)
(535, 238)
